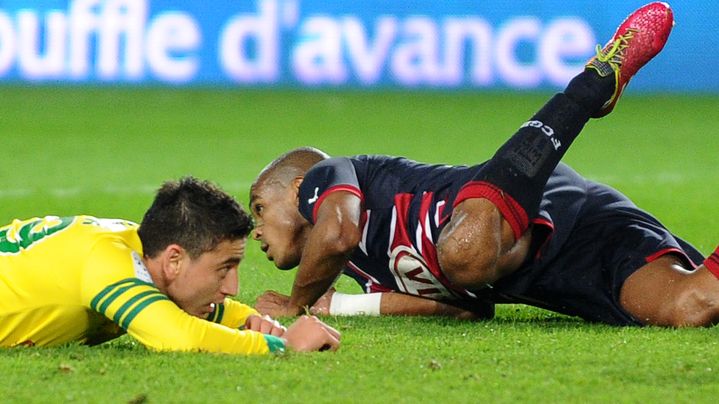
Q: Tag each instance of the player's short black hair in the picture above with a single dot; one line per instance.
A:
(197, 215)
(291, 164)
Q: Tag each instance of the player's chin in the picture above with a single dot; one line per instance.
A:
(285, 264)
(202, 312)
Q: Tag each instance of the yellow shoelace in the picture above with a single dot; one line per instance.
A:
(613, 54)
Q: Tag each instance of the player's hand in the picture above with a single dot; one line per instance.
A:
(309, 334)
(265, 324)
(276, 304)
(322, 306)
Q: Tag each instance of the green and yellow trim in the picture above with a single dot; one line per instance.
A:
(275, 344)
(127, 312)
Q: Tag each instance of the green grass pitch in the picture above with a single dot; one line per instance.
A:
(103, 152)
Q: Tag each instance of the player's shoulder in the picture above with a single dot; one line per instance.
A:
(66, 233)
(329, 171)
(91, 230)
(361, 161)
(331, 163)
(114, 241)
(381, 161)
(34, 229)
(118, 232)
(107, 225)
(114, 257)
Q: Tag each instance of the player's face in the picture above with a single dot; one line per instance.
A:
(278, 224)
(206, 281)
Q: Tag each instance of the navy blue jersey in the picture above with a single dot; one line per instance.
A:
(406, 204)
(587, 237)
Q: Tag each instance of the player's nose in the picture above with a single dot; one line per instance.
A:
(230, 284)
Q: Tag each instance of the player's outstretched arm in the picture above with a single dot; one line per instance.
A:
(309, 334)
(394, 304)
(163, 326)
(334, 236)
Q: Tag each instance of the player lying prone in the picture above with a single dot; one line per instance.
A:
(520, 228)
(167, 282)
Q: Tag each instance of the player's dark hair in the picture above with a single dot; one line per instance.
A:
(196, 215)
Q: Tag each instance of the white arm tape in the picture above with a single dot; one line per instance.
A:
(355, 305)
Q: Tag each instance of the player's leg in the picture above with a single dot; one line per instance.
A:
(486, 237)
(664, 293)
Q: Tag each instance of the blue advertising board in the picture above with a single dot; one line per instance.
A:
(462, 44)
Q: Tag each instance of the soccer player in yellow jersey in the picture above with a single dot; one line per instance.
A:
(166, 282)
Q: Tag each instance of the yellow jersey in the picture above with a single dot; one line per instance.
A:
(82, 278)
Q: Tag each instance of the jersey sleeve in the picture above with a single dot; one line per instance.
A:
(111, 289)
(231, 313)
(331, 175)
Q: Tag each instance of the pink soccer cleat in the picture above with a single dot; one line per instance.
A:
(640, 37)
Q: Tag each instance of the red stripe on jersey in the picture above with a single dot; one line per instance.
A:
(429, 251)
(401, 246)
(544, 222)
(346, 188)
(540, 221)
(512, 212)
(372, 285)
(671, 250)
(712, 263)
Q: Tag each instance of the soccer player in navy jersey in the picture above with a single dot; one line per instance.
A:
(520, 228)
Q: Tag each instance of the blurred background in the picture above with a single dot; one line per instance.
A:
(101, 101)
(488, 44)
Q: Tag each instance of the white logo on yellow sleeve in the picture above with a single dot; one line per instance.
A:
(141, 271)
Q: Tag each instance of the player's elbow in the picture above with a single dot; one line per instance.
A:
(693, 308)
(341, 239)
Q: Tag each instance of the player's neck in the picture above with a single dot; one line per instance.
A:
(154, 267)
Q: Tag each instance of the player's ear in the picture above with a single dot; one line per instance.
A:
(297, 182)
(296, 187)
(173, 256)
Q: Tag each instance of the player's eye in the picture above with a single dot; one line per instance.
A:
(258, 209)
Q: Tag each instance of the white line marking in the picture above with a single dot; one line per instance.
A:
(236, 188)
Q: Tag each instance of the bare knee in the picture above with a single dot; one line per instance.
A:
(469, 246)
(477, 247)
(465, 268)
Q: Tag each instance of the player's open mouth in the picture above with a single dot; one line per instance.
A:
(265, 248)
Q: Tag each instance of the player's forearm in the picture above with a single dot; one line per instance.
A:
(169, 329)
(329, 245)
(408, 305)
(309, 284)
(395, 304)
